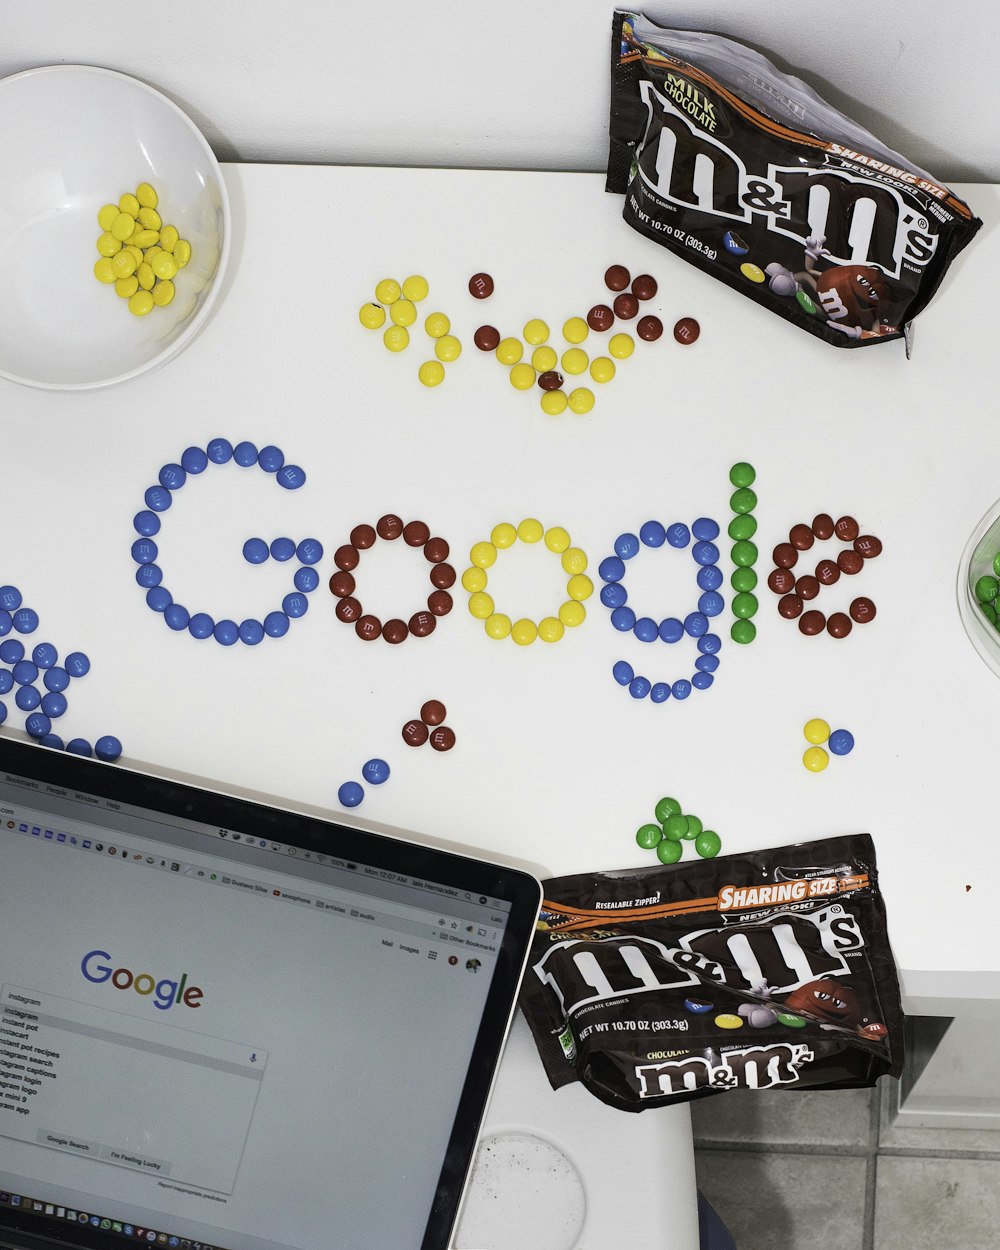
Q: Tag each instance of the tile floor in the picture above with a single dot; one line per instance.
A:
(828, 1170)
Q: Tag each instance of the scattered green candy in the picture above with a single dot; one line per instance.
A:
(694, 827)
(665, 808)
(990, 612)
(996, 564)
(743, 579)
(743, 500)
(743, 632)
(745, 605)
(675, 826)
(649, 836)
(744, 553)
(987, 589)
(668, 852)
(742, 474)
(708, 844)
(742, 526)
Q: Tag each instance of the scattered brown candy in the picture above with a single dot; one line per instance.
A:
(827, 573)
(868, 546)
(822, 526)
(367, 628)
(686, 330)
(839, 625)
(550, 380)
(433, 712)
(812, 622)
(487, 338)
(847, 529)
(801, 537)
(348, 610)
(807, 587)
(440, 602)
(850, 562)
(442, 576)
(363, 537)
(649, 328)
(781, 581)
(346, 558)
(600, 318)
(436, 550)
(790, 606)
(422, 624)
(342, 584)
(785, 556)
(395, 631)
(626, 306)
(617, 278)
(481, 286)
(862, 610)
(644, 286)
(442, 738)
(389, 527)
(415, 534)
(415, 733)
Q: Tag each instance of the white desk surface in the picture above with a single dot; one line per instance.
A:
(555, 764)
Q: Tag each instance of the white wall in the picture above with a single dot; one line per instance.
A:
(520, 83)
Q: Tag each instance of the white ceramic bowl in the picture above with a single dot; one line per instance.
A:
(73, 138)
(977, 562)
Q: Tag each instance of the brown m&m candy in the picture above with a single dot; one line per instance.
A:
(442, 576)
(847, 529)
(363, 537)
(644, 286)
(395, 631)
(781, 581)
(850, 562)
(649, 328)
(481, 286)
(600, 318)
(422, 624)
(346, 557)
(617, 278)
(389, 527)
(785, 556)
(801, 537)
(862, 610)
(839, 625)
(342, 584)
(442, 738)
(487, 338)
(827, 573)
(415, 534)
(348, 610)
(822, 526)
(414, 733)
(812, 622)
(686, 330)
(626, 306)
(868, 546)
(440, 602)
(433, 712)
(807, 587)
(436, 550)
(550, 380)
(368, 627)
(790, 606)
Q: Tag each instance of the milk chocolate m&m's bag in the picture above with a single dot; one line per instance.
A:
(748, 174)
(770, 970)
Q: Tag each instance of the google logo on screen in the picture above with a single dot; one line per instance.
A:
(165, 993)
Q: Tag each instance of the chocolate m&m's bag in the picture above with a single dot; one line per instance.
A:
(769, 970)
(750, 175)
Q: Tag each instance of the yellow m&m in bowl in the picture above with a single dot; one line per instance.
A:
(75, 142)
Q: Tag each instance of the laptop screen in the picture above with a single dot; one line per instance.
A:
(222, 1025)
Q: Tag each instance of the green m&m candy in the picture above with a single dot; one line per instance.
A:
(649, 836)
(675, 826)
(743, 500)
(742, 526)
(743, 580)
(708, 844)
(669, 852)
(665, 808)
(744, 553)
(987, 589)
(742, 474)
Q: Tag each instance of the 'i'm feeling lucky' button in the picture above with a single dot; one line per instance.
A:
(129, 1159)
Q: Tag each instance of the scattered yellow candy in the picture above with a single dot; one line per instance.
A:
(147, 279)
(104, 270)
(124, 263)
(447, 348)
(621, 346)
(575, 330)
(163, 293)
(474, 579)
(557, 539)
(122, 226)
(483, 555)
(372, 316)
(182, 252)
(141, 303)
(543, 359)
(403, 312)
(504, 535)
(126, 287)
(431, 373)
(129, 204)
(497, 626)
(574, 561)
(530, 530)
(536, 331)
(524, 632)
(415, 288)
(106, 216)
(481, 605)
(108, 245)
(581, 400)
(572, 613)
(164, 265)
(815, 759)
(602, 369)
(816, 730)
(149, 218)
(388, 291)
(509, 351)
(550, 629)
(437, 325)
(580, 586)
(146, 195)
(145, 238)
(553, 403)
(396, 338)
(522, 377)
(135, 252)
(575, 360)
(168, 238)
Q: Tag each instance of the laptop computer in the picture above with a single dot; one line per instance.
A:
(228, 1026)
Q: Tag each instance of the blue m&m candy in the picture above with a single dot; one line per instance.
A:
(291, 477)
(245, 454)
(270, 459)
(841, 742)
(10, 598)
(282, 549)
(375, 771)
(350, 794)
(107, 748)
(220, 451)
(194, 460)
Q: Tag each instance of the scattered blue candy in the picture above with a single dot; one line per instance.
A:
(251, 632)
(25, 620)
(841, 742)
(144, 551)
(55, 679)
(696, 624)
(671, 630)
(79, 746)
(623, 619)
(3, 712)
(709, 577)
(201, 625)
(306, 580)
(295, 605)
(10, 598)
(108, 748)
(375, 772)
(707, 663)
(623, 672)
(639, 687)
(350, 794)
(614, 595)
(646, 629)
(25, 672)
(291, 477)
(146, 523)
(77, 664)
(309, 551)
(276, 624)
(245, 454)
(159, 598)
(711, 603)
(37, 725)
(52, 740)
(6, 622)
(172, 477)
(6, 681)
(652, 534)
(220, 450)
(148, 575)
(194, 460)
(709, 644)
(177, 616)
(681, 688)
(659, 692)
(256, 551)
(627, 546)
(27, 698)
(705, 529)
(226, 632)
(702, 681)
(678, 535)
(45, 655)
(11, 651)
(158, 498)
(54, 704)
(270, 459)
(282, 549)
(705, 553)
(611, 569)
